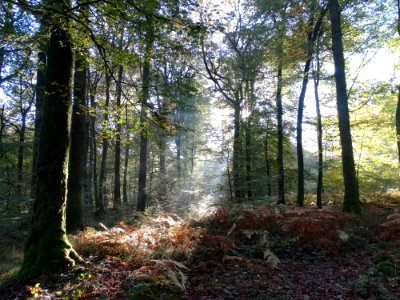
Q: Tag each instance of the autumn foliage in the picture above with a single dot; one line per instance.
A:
(155, 257)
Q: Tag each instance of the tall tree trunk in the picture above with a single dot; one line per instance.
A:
(2, 127)
(299, 138)
(117, 159)
(178, 144)
(398, 123)
(93, 151)
(351, 201)
(281, 170)
(87, 161)
(125, 182)
(311, 37)
(76, 166)
(21, 150)
(248, 159)
(144, 98)
(316, 76)
(47, 248)
(398, 91)
(40, 98)
(236, 153)
(102, 176)
(88, 185)
(267, 162)
(163, 169)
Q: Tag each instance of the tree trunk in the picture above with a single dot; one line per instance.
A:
(299, 139)
(102, 177)
(78, 144)
(311, 37)
(47, 248)
(125, 183)
(236, 153)
(40, 98)
(117, 159)
(398, 91)
(21, 150)
(398, 123)
(281, 170)
(267, 163)
(178, 144)
(93, 151)
(319, 132)
(351, 201)
(145, 95)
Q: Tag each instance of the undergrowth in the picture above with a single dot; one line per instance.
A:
(152, 257)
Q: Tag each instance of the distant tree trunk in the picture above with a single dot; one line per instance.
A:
(162, 161)
(311, 37)
(178, 143)
(21, 150)
(47, 248)
(236, 153)
(78, 143)
(163, 169)
(144, 98)
(398, 91)
(102, 176)
(281, 170)
(21, 142)
(398, 123)
(117, 159)
(351, 201)
(2, 127)
(299, 139)
(87, 172)
(88, 185)
(125, 182)
(316, 75)
(40, 98)
(249, 93)
(267, 162)
(93, 151)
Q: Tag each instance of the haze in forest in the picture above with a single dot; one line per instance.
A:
(132, 113)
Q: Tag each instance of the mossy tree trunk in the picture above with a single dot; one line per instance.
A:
(47, 248)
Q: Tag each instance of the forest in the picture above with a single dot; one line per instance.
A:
(199, 149)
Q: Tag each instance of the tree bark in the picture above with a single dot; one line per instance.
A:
(398, 92)
(21, 141)
(40, 98)
(76, 166)
(117, 158)
(144, 98)
(125, 182)
(47, 248)
(316, 75)
(93, 152)
(267, 162)
(100, 205)
(236, 153)
(311, 37)
(351, 201)
(279, 115)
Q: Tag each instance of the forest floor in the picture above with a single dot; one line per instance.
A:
(245, 251)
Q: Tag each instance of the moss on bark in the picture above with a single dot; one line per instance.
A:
(47, 248)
